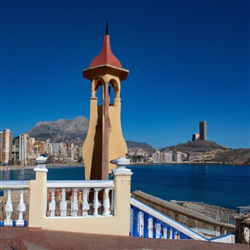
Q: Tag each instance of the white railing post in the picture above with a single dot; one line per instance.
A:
(63, 203)
(52, 204)
(74, 203)
(164, 233)
(150, 227)
(85, 203)
(157, 230)
(96, 201)
(106, 202)
(140, 224)
(8, 210)
(21, 208)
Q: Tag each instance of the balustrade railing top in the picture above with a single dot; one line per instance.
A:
(79, 184)
(14, 184)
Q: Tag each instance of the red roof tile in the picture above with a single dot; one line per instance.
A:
(106, 56)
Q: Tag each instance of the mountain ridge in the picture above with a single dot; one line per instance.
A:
(61, 130)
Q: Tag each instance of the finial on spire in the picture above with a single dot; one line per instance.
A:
(107, 28)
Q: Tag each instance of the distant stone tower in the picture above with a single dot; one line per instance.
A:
(104, 140)
(203, 130)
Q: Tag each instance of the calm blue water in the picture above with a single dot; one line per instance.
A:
(227, 186)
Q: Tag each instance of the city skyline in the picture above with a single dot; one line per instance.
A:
(188, 62)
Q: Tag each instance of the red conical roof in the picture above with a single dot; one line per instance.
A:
(106, 56)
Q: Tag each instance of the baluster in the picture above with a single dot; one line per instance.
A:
(52, 204)
(96, 201)
(74, 203)
(164, 233)
(21, 208)
(8, 210)
(85, 203)
(63, 203)
(170, 232)
(140, 224)
(106, 202)
(150, 227)
(158, 230)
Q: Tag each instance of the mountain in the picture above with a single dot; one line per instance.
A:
(142, 145)
(69, 130)
(61, 130)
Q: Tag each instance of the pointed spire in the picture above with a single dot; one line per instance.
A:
(107, 28)
(106, 56)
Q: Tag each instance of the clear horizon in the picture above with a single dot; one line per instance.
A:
(188, 62)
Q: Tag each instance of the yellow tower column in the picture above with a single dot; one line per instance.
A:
(104, 140)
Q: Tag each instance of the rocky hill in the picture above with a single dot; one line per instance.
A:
(195, 146)
(239, 156)
(61, 130)
(146, 147)
(200, 151)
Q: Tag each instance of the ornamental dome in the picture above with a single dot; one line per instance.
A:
(106, 56)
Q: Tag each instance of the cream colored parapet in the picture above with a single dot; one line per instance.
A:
(106, 223)
(38, 194)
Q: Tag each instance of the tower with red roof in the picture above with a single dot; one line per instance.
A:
(104, 140)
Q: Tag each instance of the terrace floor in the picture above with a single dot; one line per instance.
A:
(30, 238)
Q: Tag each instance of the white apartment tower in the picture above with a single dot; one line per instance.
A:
(23, 149)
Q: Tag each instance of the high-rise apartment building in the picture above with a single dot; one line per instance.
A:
(23, 149)
(203, 130)
(6, 146)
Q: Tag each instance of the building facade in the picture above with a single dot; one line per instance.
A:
(6, 147)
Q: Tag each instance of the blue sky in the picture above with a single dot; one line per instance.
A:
(188, 62)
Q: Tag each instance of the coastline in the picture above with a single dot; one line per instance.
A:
(63, 165)
(50, 165)
(190, 163)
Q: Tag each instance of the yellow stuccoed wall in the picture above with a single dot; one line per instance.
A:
(119, 224)
(93, 142)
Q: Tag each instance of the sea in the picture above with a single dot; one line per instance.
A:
(220, 185)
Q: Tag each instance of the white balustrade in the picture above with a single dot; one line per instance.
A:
(140, 224)
(150, 228)
(52, 204)
(63, 203)
(14, 209)
(21, 208)
(74, 203)
(170, 232)
(96, 204)
(157, 230)
(79, 200)
(165, 227)
(85, 204)
(8, 210)
(164, 233)
(106, 202)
